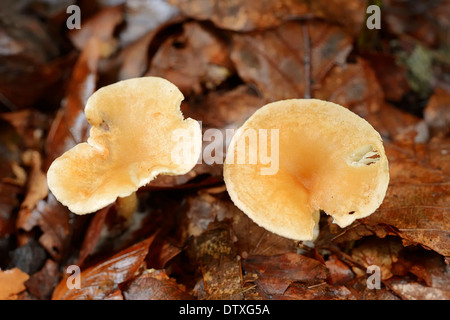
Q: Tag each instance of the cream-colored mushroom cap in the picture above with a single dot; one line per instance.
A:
(328, 157)
(136, 126)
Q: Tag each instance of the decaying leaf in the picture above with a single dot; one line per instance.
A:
(239, 15)
(354, 12)
(416, 204)
(276, 273)
(101, 28)
(154, 285)
(42, 283)
(340, 273)
(194, 60)
(220, 270)
(53, 219)
(285, 62)
(412, 290)
(353, 85)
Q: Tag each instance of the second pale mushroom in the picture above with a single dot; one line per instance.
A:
(328, 158)
(132, 140)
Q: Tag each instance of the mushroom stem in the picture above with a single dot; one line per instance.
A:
(127, 205)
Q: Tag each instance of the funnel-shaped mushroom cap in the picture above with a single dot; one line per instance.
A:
(328, 159)
(132, 140)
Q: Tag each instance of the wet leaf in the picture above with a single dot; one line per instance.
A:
(102, 279)
(70, 126)
(93, 234)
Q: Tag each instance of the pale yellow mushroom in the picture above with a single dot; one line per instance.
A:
(131, 141)
(328, 157)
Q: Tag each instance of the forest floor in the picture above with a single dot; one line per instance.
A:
(188, 240)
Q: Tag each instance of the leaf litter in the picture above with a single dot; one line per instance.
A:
(188, 241)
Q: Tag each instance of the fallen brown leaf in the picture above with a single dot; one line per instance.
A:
(353, 85)
(340, 273)
(354, 12)
(70, 126)
(416, 203)
(194, 60)
(12, 283)
(241, 15)
(100, 27)
(289, 266)
(285, 62)
(437, 111)
(154, 285)
(53, 219)
(412, 290)
(37, 188)
(321, 291)
(42, 283)
(102, 279)
(221, 272)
